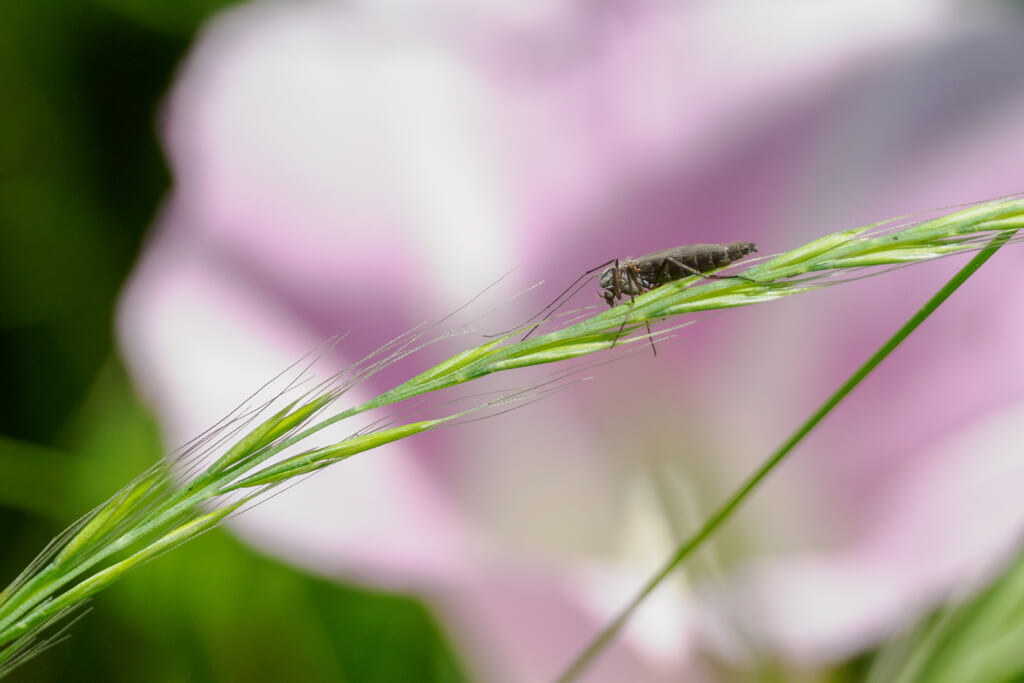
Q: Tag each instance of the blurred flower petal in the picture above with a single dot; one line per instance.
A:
(340, 167)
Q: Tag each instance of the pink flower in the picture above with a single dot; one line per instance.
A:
(343, 168)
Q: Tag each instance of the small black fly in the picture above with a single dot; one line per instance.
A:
(635, 276)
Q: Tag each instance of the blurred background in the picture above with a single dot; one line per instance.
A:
(194, 195)
(82, 177)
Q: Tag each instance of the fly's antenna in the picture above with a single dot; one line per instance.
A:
(559, 301)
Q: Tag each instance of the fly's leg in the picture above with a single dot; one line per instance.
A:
(647, 324)
(638, 285)
(616, 293)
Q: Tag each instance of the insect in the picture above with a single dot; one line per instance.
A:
(636, 276)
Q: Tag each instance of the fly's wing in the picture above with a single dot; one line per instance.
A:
(668, 265)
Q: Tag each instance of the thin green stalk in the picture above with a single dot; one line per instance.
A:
(976, 640)
(740, 495)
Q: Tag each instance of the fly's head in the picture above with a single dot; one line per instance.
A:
(611, 283)
(608, 278)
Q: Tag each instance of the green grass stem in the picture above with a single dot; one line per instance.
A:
(723, 513)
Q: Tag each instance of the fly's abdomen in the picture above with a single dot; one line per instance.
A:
(721, 255)
(674, 264)
(734, 251)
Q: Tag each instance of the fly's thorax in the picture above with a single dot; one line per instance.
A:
(628, 281)
(633, 284)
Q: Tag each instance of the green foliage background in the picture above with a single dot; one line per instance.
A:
(81, 176)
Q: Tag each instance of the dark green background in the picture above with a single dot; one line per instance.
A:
(81, 176)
